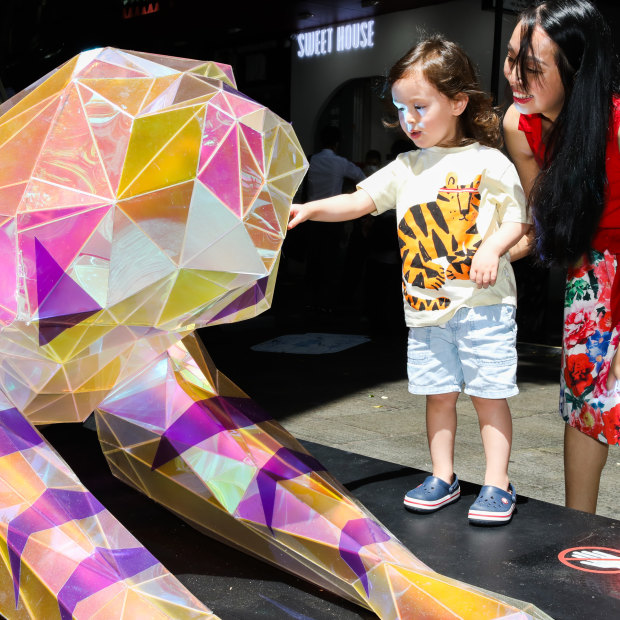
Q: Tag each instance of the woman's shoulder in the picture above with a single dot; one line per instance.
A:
(518, 132)
(511, 119)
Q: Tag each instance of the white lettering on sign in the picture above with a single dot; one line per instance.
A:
(358, 35)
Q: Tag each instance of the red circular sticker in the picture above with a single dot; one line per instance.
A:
(592, 559)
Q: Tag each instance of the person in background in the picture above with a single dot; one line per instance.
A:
(563, 134)
(459, 207)
(328, 170)
(327, 246)
(372, 162)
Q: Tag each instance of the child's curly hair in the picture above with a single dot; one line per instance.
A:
(448, 68)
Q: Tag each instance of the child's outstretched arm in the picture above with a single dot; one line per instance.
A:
(334, 209)
(485, 263)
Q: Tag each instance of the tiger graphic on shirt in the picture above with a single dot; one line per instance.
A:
(439, 239)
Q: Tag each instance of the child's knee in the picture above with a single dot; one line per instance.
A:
(447, 399)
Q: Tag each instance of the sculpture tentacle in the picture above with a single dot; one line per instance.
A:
(190, 439)
(62, 554)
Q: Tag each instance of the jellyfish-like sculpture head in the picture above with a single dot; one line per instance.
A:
(141, 196)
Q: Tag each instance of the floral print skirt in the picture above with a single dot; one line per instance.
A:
(589, 344)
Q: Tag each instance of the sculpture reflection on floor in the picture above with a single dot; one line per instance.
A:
(142, 197)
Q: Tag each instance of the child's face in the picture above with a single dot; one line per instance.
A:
(427, 117)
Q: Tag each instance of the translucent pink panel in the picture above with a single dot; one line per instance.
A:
(252, 179)
(127, 94)
(216, 126)
(149, 63)
(172, 62)
(8, 273)
(121, 59)
(19, 154)
(221, 176)
(241, 105)
(10, 198)
(47, 197)
(70, 156)
(220, 101)
(99, 69)
(111, 128)
(254, 140)
(63, 237)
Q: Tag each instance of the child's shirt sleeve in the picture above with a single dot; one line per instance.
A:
(383, 185)
(506, 192)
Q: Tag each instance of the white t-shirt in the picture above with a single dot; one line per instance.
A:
(447, 201)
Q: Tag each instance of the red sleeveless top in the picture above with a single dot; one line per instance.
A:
(607, 236)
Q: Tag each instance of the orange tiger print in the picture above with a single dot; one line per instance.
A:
(445, 229)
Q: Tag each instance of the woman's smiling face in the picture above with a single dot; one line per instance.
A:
(545, 92)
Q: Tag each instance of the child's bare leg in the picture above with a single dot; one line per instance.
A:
(441, 430)
(496, 431)
(584, 459)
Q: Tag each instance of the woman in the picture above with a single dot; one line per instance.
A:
(563, 133)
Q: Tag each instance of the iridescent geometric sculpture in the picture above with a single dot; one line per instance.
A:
(142, 197)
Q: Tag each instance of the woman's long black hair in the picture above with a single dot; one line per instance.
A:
(568, 196)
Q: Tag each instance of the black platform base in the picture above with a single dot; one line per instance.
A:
(519, 560)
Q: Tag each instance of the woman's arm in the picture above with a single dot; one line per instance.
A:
(523, 247)
(334, 209)
(527, 168)
(520, 151)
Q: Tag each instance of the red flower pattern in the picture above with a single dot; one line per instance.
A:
(600, 389)
(579, 326)
(597, 412)
(611, 421)
(578, 373)
(588, 421)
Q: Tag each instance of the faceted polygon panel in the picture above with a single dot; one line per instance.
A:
(135, 191)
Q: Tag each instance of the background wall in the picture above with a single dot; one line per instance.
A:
(315, 79)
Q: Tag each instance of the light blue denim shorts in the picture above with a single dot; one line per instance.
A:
(475, 348)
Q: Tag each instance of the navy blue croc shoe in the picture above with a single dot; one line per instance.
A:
(432, 494)
(493, 506)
